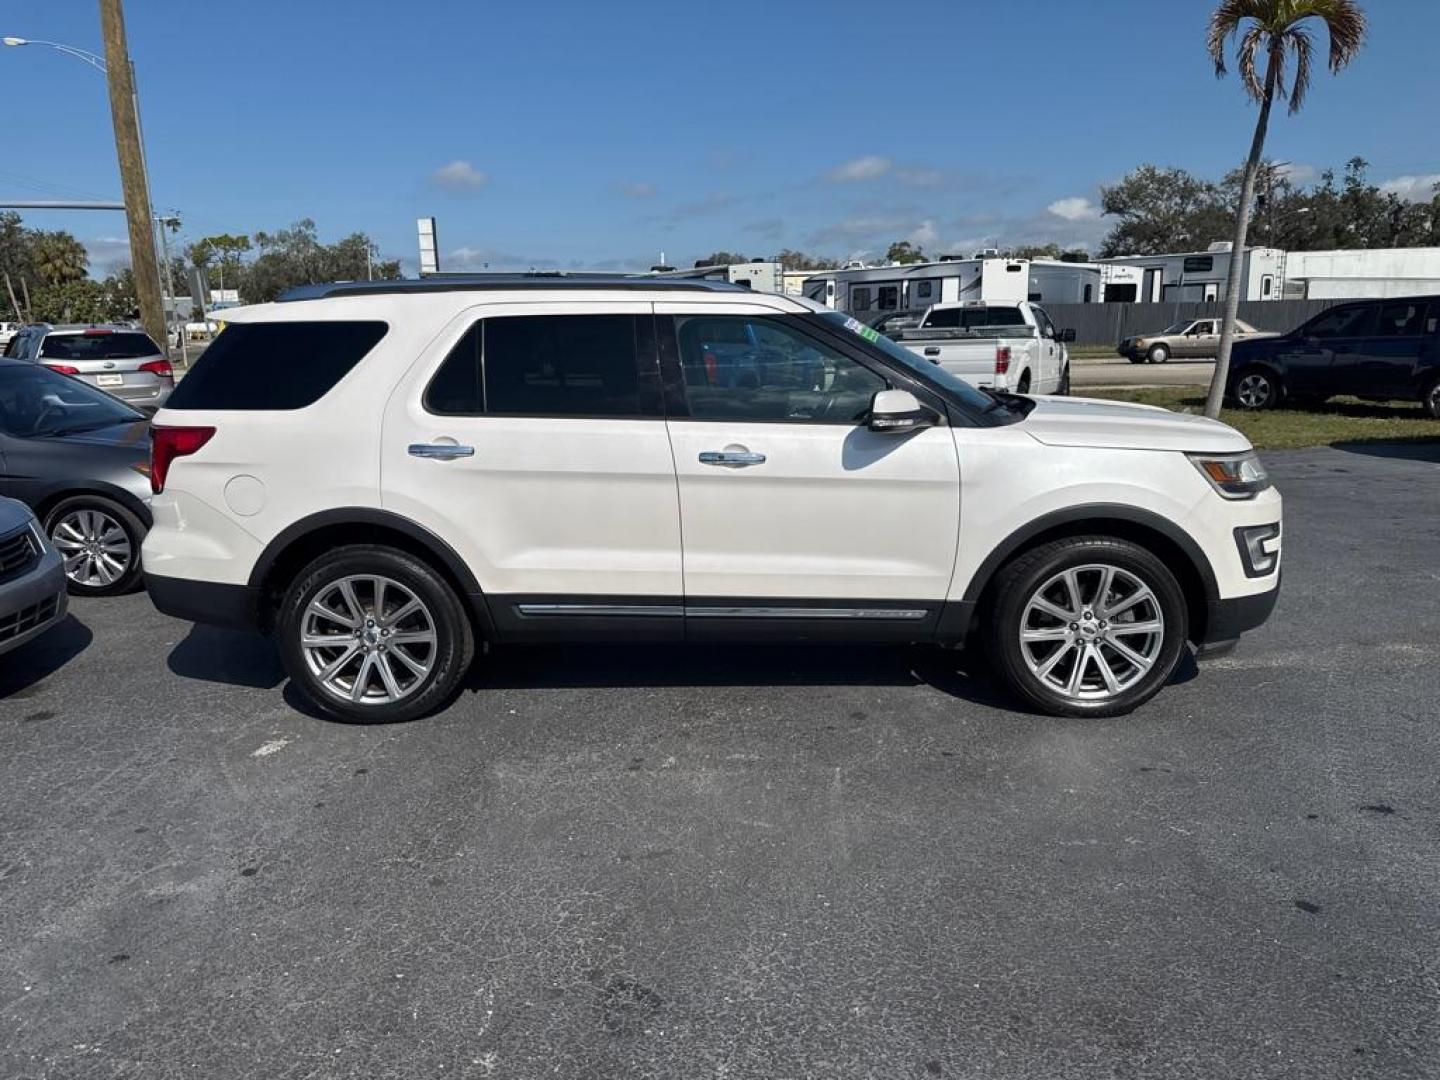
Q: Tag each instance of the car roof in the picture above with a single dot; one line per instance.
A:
(506, 283)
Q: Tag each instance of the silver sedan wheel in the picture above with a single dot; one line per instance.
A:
(1092, 632)
(95, 547)
(368, 640)
(1254, 391)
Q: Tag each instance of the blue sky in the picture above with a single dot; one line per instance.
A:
(600, 134)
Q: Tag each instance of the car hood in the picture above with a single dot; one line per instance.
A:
(13, 515)
(1120, 425)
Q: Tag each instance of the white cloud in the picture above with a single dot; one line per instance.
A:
(1412, 188)
(637, 191)
(459, 176)
(925, 235)
(919, 177)
(862, 168)
(1297, 174)
(1074, 208)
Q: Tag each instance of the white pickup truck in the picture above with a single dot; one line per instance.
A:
(997, 346)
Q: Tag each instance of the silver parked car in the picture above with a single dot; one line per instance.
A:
(32, 578)
(117, 359)
(1189, 339)
(81, 460)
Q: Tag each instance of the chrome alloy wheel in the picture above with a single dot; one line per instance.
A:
(368, 639)
(95, 547)
(1092, 632)
(1254, 391)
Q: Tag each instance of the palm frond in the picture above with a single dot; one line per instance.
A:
(1249, 50)
(1345, 23)
(1299, 42)
(1225, 23)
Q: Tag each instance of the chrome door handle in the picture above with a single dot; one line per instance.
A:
(440, 451)
(731, 459)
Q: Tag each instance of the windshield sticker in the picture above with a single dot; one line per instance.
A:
(855, 326)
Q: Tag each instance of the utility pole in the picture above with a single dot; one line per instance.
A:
(135, 185)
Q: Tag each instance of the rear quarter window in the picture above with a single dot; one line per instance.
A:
(274, 366)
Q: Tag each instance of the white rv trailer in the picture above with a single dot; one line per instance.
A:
(1376, 272)
(1201, 275)
(867, 291)
(759, 276)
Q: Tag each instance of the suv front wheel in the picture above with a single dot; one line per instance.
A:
(1087, 626)
(373, 635)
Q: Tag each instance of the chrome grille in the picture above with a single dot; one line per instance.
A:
(18, 552)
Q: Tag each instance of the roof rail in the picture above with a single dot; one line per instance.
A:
(504, 282)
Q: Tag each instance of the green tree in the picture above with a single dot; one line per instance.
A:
(903, 251)
(721, 258)
(798, 260)
(1162, 210)
(1274, 31)
(57, 257)
(295, 256)
(220, 254)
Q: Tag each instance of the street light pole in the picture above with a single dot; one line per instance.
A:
(134, 183)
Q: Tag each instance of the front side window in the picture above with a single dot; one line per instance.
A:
(1405, 318)
(739, 367)
(541, 365)
(1203, 328)
(1341, 322)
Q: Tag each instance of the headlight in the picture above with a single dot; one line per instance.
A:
(1139, 343)
(1233, 476)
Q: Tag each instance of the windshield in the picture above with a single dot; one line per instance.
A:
(907, 360)
(1178, 328)
(35, 401)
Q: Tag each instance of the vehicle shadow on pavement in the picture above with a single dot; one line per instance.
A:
(23, 670)
(1410, 450)
(210, 654)
(717, 665)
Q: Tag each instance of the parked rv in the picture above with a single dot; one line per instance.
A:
(868, 291)
(1006, 347)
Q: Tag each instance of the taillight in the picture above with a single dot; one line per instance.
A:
(63, 369)
(1002, 359)
(158, 367)
(169, 443)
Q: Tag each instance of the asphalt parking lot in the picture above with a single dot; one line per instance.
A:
(745, 862)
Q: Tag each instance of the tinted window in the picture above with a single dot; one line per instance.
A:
(35, 401)
(560, 365)
(280, 365)
(922, 290)
(1198, 264)
(1404, 318)
(12, 347)
(944, 319)
(860, 299)
(456, 389)
(889, 297)
(1341, 322)
(97, 345)
(742, 368)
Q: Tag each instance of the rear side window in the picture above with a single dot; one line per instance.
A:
(101, 345)
(1404, 318)
(1341, 322)
(943, 319)
(541, 365)
(280, 365)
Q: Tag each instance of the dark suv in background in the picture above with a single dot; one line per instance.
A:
(1378, 350)
(123, 362)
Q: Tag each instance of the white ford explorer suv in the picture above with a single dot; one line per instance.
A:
(383, 474)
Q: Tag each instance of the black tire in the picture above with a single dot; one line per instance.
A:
(1158, 354)
(1023, 386)
(1064, 389)
(1256, 388)
(1137, 359)
(1430, 400)
(446, 665)
(76, 508)
(1018, 582)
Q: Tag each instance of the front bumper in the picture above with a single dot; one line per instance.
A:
(1226, 620)
(34, 603)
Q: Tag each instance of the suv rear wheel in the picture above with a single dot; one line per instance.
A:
(373, 635)
(1087, 626)
(100, 542)
(1256, 388)
(1430, 400)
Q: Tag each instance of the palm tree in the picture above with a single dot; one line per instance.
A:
(59, 257)
(1274, 30)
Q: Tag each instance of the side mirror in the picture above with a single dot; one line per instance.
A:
(1047, 332)
(898, 411)
(1068, 334)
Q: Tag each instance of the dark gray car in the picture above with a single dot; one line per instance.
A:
(80, 459)
(117, 359)
(32, 579)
